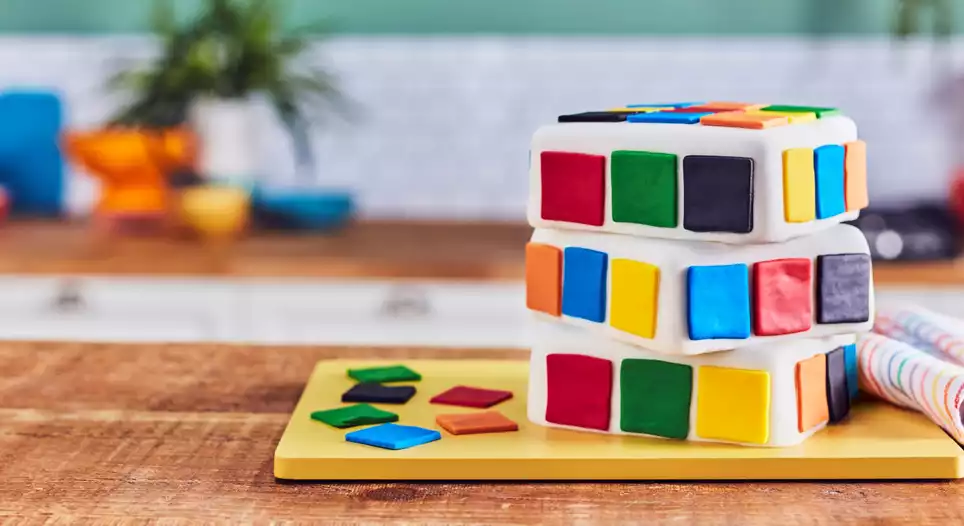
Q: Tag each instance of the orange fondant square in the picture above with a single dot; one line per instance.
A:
(739, 119)
(474, 423)
(811, 378)
(544, 278)
(855, 175)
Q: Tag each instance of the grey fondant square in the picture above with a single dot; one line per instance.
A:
(838, 397)
(717, 194)
(843, 288)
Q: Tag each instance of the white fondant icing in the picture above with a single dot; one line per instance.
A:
(765, 147)
(674, 257)
(778, 359)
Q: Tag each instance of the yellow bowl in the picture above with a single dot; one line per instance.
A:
(215, 211)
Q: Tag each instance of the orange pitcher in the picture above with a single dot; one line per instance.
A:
(133, 165)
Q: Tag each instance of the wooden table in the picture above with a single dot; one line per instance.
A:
(187, 432)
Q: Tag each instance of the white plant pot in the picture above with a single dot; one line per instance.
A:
(228, 133)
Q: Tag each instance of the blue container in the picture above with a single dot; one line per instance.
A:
(301, 208)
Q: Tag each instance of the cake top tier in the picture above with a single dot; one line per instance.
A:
(738, 175)
(726, 114)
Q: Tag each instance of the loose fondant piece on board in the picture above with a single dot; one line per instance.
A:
(584, 284)
(673, 258)
(578, 390)
(828, 164)
(764, 147)
(634, 302)
(544, 278)
(733, 405)
(782, 296)
(573, 187)
(843, 288)
(393, 436)
(644, 188)
(471, 397)
(353, 416)
(718, 301)
(655, 398)
(838, 397)
(379, 394)
(717, 194)
(595, 116)
(811, 383)
(380, 375)
(476, 423)
(776, 360)
(850, 363)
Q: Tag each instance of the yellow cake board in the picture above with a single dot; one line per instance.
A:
(878, 442)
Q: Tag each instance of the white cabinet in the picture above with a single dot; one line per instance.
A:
(389, 313)
(109, 310)
(295, 312)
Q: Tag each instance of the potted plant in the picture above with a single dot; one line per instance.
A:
(210, 72)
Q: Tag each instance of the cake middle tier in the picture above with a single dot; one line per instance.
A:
(689, 297)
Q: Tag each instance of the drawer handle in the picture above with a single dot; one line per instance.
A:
(405, 302)
(69, 297)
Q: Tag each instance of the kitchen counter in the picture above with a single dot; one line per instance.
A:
(378, 250)
(127, 433)
(367, 249)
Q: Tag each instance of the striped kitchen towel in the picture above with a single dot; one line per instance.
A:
(925, 330)
(909, 377)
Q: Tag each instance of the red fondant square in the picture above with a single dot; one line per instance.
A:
(471, 397)
(573, 187)
(782, 296)
(579, 390)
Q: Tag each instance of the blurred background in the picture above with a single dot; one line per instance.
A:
(354, 172)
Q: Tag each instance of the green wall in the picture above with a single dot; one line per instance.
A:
(616, 17)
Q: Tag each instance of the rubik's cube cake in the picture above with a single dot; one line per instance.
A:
(692, 274)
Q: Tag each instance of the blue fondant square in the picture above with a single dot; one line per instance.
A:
(667, 118)
(718, 301)
(393, 436)
(584, 283)
(828, 163)
(850, 365)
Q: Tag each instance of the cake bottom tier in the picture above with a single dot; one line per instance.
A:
(768, 395)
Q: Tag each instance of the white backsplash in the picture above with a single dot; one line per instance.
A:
(443, 123)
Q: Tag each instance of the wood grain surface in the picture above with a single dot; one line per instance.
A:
(360, 250)
(127, 434)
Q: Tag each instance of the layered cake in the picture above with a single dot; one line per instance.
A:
(697, 248)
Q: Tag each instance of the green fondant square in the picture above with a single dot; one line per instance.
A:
(644, 188)
(354, 415)
(821, 112)
(378, 375)
(655, 398)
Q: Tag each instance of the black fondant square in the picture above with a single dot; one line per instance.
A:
(378, 393)
(843, 288)
(594, 116)
(717, 194)
(838, 397)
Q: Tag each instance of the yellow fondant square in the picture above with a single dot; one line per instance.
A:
(635, 110)
(799, 186)
(794, 117)
(634, 299)
(733, 404)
